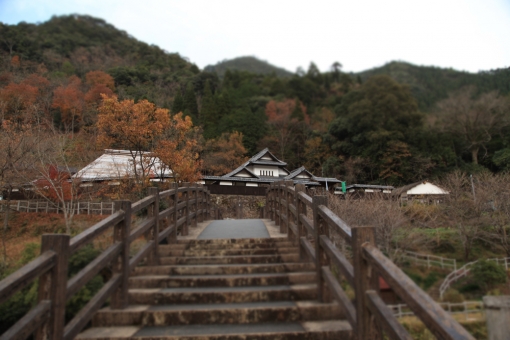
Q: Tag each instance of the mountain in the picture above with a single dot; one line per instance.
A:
(430, 84)
(248, 64)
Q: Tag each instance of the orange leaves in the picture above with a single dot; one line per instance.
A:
(223, 154)
(131, 126)
(69, 99)
(94, 78)
(178, 149)
(18, 99)
(93, 96)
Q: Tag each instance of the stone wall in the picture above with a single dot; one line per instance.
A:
(245, 206)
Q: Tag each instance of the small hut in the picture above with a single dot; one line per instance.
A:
(423, 192)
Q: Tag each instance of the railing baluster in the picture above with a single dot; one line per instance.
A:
(52, 286)
(119, 298)
(365, 279)
(320, 228)
(153, 258)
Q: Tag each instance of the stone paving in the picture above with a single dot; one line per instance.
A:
(259, 228)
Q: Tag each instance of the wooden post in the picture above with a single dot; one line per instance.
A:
(320, 228)
(194, 191)
(286, 194)
(185, 227)
(365, 279)
(208, 204)
(199, 203)
(173, 235)
(153, 258)
(300, 209)
(53, 285)
(277, 203)
(119, 299)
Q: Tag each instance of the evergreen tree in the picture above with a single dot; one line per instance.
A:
(298, 111)
(209, 113)
(190, 102)
(178, 104)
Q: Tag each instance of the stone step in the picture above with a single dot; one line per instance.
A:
(233, 280)
(230, 259)
(219, 269)
(165, 296)
(166, 251)
(308, 330)
(234, 313)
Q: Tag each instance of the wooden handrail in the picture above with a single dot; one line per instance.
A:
(26, 274)
(288, 207)
(192, 202)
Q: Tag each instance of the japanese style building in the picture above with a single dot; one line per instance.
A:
(264, 168)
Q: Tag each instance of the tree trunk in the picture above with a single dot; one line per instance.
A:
(6, 223)
(474, 155)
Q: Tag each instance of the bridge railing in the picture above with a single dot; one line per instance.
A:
(186, 205)
(369, 316)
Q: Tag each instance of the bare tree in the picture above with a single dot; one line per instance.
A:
(16, 142)
(474, 121)
(393, 227)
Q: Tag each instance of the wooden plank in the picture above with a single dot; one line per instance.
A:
(365, 278)
(338, 259)
(300, 209)
(92, 269)
(292, 209)
(336, 222)
(53, 285)
(29, 323)
(142, 253)
(85, 237)
(143, 203)
(293, 228)
(305, 199)
(385, 317)
(141, 229)
(167, 212)
(181, 221)
(166, 193)
(307, 223)
(74, 327)
(26, 274)
(439, 322)
(120, 266)
(320, 227)
(340, 295)
(165, 233)
(153, 258)
(181, 205)
(308, 248)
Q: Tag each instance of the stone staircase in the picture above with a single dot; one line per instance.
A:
(223, 290)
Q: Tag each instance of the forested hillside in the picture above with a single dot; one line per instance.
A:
(395, 124)
(248, 64)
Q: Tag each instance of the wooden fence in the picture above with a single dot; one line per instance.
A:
(368, 315)
(187, 205)
(87, 208)
(465, 308)
(430, 260)
(464, 271)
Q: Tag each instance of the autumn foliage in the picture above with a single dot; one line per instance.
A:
(225, 153)
(143, 126)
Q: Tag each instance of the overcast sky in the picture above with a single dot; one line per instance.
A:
(462, 34)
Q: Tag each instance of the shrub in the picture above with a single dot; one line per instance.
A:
(488, 274)
(453, 295)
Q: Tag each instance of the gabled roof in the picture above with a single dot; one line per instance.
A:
(118, 164)
(239, 170)
(299, 171)
(257, 159)
(420, 188)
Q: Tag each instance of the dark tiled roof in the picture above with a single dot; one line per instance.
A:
(369, 186)
(266, 180)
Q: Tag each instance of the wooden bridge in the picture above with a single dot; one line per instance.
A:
(259, 288)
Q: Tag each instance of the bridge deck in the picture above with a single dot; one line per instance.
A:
(225, 229)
